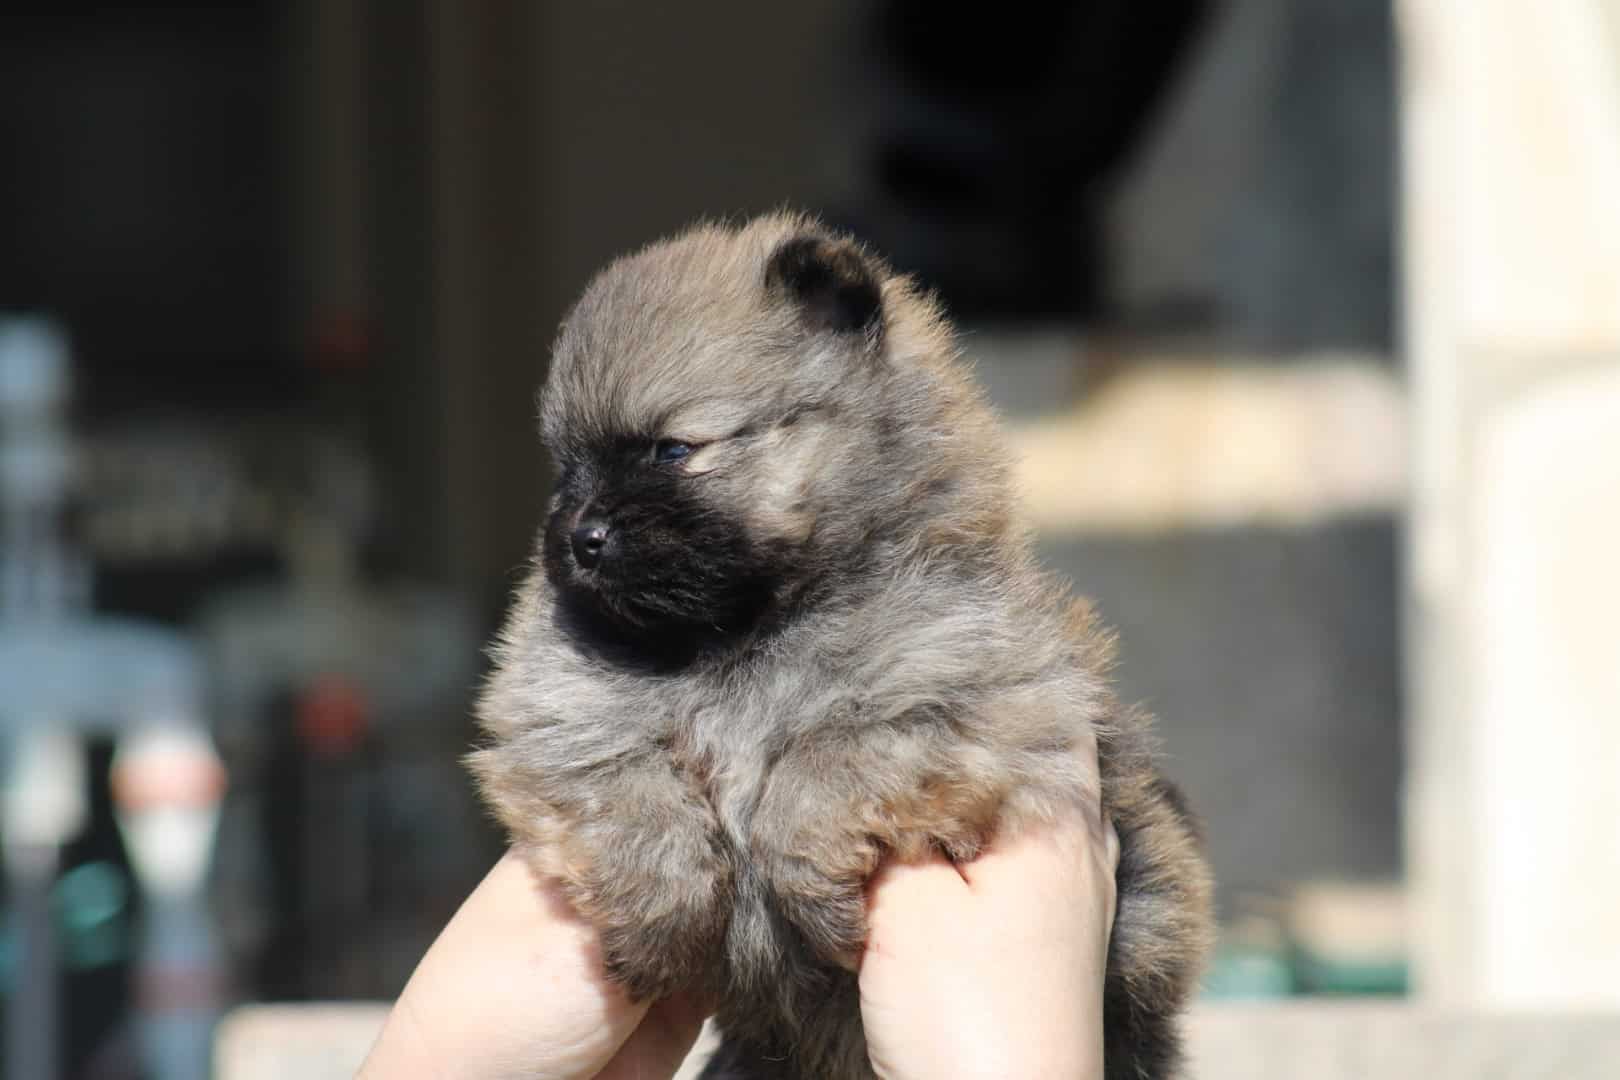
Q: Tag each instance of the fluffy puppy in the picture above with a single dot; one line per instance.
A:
(784, 622)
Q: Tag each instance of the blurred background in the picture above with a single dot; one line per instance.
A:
(1304, 316)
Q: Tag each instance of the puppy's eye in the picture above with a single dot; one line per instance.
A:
(668, 450)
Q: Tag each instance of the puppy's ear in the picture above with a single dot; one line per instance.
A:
(834, 286)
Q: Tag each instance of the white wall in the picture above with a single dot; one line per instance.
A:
(1512, 253)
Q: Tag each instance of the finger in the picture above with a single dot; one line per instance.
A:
(514, 979)
(909, 902)
(902, 883)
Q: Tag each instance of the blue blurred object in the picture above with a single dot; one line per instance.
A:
(68, 673)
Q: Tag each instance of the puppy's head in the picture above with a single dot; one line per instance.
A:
(740, 414)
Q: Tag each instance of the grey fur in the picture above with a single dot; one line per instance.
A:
(904, 677)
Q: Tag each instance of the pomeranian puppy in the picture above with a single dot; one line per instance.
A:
(783, 623)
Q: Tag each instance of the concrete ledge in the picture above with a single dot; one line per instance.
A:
(321, 1041)
(1331, 1040)
(1318, 1039)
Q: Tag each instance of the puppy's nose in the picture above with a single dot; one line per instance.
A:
(588, 539)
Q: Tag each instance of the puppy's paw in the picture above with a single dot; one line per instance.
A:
(827, 902)
(653, 963)
(659, 898)
(667, 937)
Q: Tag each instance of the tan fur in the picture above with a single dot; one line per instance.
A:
(918, 682)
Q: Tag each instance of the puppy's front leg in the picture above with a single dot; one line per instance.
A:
(829, 814)
(639, 854)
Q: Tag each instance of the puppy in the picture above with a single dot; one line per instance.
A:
(784, 623)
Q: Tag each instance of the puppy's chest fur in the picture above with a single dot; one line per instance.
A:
(853, 731)
(922, 663)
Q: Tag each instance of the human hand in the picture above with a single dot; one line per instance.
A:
(994, 967)
(514, 987)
